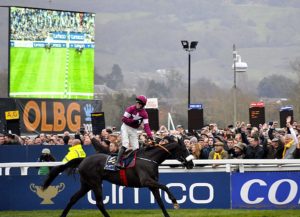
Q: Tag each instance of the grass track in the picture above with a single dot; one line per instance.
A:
(158, 213)
(37, 70)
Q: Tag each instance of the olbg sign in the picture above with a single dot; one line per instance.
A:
(55, 116)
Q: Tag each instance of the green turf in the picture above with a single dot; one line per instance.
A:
(60, 70)
(158, 213)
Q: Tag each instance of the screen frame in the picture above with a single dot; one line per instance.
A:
(8, 57)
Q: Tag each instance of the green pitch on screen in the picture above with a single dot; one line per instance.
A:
(58, 73)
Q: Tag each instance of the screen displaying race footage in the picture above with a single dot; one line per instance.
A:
(51, 54)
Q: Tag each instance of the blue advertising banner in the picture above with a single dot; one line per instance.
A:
(59, 45)
(192, 190)
(85, 45)
(59, 35)
(74, 36)
(266, 190)
(43, 44)
(31, 153)
(39, 44)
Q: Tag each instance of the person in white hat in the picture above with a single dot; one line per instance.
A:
(45, 157)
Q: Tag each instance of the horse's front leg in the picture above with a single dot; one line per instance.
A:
(153, 184)
(155, 192)
(99, 201)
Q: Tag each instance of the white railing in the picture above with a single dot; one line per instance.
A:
(230, 165)
(25, 166)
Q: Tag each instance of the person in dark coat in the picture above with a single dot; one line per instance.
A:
(254, 150)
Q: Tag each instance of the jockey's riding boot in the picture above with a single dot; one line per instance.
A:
(118, 161)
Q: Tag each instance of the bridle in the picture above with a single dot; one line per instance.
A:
(181, 159)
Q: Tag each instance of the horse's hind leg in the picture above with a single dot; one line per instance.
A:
(99, 201)
(155, 192)
(79, 194)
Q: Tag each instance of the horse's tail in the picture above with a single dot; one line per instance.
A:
(58, 169)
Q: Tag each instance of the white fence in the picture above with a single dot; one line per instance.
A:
(230, 165)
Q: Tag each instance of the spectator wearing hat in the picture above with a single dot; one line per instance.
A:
(239, 151)
(75, 151)
(45, 157)
(218, 152)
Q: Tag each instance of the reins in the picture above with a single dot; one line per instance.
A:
(162, 147)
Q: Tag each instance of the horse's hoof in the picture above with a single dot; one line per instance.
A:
(176, 206)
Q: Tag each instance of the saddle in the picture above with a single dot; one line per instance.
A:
(128, 160)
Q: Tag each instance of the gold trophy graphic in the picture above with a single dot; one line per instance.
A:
(49, 193)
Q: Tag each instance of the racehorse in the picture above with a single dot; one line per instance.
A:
(48, 47)
(144, 174)
(79, 50)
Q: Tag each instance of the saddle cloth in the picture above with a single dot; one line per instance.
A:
(127, 161)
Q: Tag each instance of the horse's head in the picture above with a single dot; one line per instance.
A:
(183, 155)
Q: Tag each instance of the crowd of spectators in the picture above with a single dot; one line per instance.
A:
(244, 141)
(34, 24)
(240, 142)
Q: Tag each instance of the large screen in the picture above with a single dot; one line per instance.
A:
(51, 54)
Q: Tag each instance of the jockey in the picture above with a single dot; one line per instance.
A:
(133, 117)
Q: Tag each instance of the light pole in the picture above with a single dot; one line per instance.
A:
(238, 66)
(234, 84)
(189, 47)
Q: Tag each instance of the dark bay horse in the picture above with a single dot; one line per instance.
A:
(144, 174)
(79, 50)
(48, 47)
